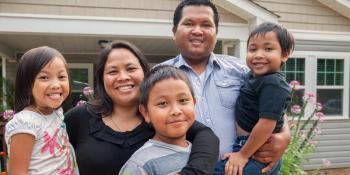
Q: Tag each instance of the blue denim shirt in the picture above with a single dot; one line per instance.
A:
(216, 95)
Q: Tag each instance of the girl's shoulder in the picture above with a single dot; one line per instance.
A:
(24, 122)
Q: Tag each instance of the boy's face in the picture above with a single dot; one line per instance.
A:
(170, 110)
(265, 54)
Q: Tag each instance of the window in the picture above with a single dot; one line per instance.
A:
(330, 85)
(294, 69)
(325, 74)
(81, 75)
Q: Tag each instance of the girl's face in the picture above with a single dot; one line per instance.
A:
(171, 110)
(122, 77)
(51, 86)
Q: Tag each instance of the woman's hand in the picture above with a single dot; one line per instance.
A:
(235, 163)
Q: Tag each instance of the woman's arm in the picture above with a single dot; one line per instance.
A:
(21, 148)
(205, 150)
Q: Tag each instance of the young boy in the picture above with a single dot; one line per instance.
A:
(167, 103)
(263, 98)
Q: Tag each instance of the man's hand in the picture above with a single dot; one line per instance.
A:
(272, 150)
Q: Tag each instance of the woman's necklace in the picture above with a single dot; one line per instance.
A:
(119, 128)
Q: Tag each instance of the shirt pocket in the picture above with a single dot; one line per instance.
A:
(228, 92)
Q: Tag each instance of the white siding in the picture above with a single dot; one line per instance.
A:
(151, 9)
(306, 15)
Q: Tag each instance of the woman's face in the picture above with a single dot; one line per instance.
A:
(122, 77)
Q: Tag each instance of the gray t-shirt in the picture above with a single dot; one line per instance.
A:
(157, 158)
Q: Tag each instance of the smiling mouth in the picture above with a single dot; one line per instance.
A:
(55, 96)
(125, 87)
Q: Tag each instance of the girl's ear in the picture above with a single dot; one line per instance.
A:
(144, 113)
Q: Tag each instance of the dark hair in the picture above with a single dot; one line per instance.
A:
(184, 3)
(158, 74)
(29, 66)
(285, 38)
(103, 103)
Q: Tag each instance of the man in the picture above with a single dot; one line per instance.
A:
(216, 78)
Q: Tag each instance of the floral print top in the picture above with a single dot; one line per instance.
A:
(52, 153)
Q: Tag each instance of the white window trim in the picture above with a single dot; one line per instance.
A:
(88, 66)
(3, 66)
(311, 74)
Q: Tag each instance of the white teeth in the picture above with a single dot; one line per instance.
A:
(126, 87)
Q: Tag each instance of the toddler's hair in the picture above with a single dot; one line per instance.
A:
(285, 38)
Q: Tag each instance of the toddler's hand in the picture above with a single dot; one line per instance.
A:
(235, 163)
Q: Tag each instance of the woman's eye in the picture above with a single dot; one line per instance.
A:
(268, 49)
(43, 77)
(162, 104)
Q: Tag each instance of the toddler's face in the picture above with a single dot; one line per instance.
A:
(265, 54)
(170, 110)
(51, 86)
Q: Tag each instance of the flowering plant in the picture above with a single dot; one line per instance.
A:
(89, 94)
(305, 115)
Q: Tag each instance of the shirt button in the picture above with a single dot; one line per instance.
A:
(208, 120)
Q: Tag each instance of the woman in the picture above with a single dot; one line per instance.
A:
(108, 131)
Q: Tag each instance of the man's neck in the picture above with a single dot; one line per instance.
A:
(198, 65)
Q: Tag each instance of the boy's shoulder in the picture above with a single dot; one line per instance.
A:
(276, 79)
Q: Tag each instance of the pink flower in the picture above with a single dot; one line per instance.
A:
(309, 97)
(296, 109)
(318, 130)
(88, 91)
(302, 135)
(8, 114)
(318, 107)
(320, 116)
(312, 142)
(326, 162)
(81, 102)
(295, 84)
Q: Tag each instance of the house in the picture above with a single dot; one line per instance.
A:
(321, 60)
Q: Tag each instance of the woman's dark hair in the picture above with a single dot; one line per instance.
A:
(29, 66)
(158, 74)
(178, 11)
(285, 38)
(103, 103)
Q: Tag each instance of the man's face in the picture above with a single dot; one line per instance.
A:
(195, 35)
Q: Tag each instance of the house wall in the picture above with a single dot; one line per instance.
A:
(150, 9)
(306, 15)
(334, 143)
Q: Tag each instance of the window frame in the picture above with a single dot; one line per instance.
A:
(89, 67)
(311, 86)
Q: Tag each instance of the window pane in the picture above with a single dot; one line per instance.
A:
(331, 100)
(320, 79)
(339, 66)
(321, 65)
(330, 72)
(339, 79)
(330, 65)
(79, 78)
(294, 69)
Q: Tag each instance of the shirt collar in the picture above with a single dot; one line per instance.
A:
(182, 63)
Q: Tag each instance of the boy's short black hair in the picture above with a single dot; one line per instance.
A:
(285, 38)
(158, 74)
(178, 11)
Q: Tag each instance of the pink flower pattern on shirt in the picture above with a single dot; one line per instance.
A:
(61, 143)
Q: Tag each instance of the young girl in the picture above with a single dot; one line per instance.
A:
(36, 137)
